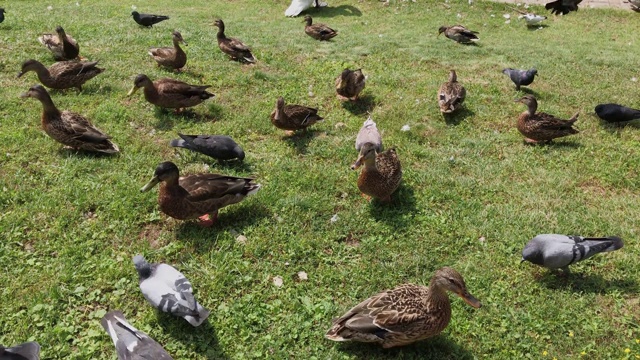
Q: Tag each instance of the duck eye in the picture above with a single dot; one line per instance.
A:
(452, 282)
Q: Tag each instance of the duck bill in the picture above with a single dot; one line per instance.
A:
(24, 95)
(153, 182)
(469, 299)
(184, 42)
(132, 91)
(357, 163)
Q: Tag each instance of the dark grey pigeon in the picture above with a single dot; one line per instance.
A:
(562, 6)
(1, 15)
(169, 291)
(148, 20)
(219, 147)
(555, 251)
(131, 343)
(25, 351)
(616, 113)
(520, 77)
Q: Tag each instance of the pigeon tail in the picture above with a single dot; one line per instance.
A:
(196, 321)
(616, 242)
(178, 143)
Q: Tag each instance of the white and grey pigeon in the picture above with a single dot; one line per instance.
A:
(555, 251)
(532, 19)
(369, 134)
(131, 343)
(298, 6)
(168, 290)
(520, 77)
(25, 351)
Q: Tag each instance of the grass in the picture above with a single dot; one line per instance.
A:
(473, 194)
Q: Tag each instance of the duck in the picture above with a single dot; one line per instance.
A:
(63, 74)
(293, 117)
(382, 173)
(130, 342)
(318, 31)
(459, 33)
(219, 147)
(404, 314)
(69, 128)
(451, 94)
(147, 20)
(349, 84)
(170, 93)
(369, 134)
(62, 46)
(233, 47)
(541, 127)
(197, 195)
(171, 57)
(298, 6)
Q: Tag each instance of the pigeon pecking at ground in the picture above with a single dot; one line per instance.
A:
(219, 147)
(148, 20)
(520, 77)
(562, 6)
(131, 343)
(555, 251)
(25, 351)
(616, 113)
(369, 134)
(168, 290)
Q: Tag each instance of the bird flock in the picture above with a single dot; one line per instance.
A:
(395, 317)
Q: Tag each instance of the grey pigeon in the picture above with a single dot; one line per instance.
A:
(520, 77)
(555, 251)
(562, 6)
(616, 113)
(169, 291)
(148, 20)
(1, 15)
(369, 134)
(131, 343)
(219, 147)
(25, 351)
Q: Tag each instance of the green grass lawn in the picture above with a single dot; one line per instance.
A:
(473, 194)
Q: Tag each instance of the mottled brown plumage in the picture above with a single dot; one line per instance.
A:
(318, 31)
(403, 315)
(350, 83)
(538, 127)
(63, 74)
(451, 94)
(171, 57)
(232, 46)
(62, 46)
(459, 34)
(381, 174)
(293, 117)
(69, 128)
(170, 93)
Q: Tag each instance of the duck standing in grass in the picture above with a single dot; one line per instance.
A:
(131, 343)
(63, 74)
(369, 134)
(318, 31)
(541, 127)
(147, 20)
(520, 77)
(293, 117)
(171, 57)
(405, 314)
(451, 94)
(170, 93)
(233, 47)
(349, 84)
(62, 46)
(381, 174)
(197, 195)
(219, 147)
(25, 351)
(459, 34)
(69, 128)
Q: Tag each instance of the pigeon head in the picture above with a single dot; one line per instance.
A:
(166, 171)
(449, 279)
(507, 71)
(532, 72)
(533, 254)
(1, 12)
(135, 14)
(142, 266)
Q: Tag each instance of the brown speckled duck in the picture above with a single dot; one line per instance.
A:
(232, 46)
(541, 127)
(405, 314)
(171, 57)
(293, 117)
(62, 46)
(318, 31)
(451, 94)
(382, 172)
(170, 93)
(349, 84)
(197, 195)
(63, 74)
(459, 34)
(69, 128)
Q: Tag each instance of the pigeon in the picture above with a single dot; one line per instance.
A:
(169, 291)
(131, 343)
(532, 19)
(26, 351)
(148, 20)
(369, 134)
(555, 251)
(1, 15)
(616, 113)
(298, 6)
(562, 6)
(520, 77)
(219, 147)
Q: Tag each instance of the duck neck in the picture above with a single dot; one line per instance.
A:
(370, 164)
(150, 91)
(48, 107)
(436, 293)
(309, 21)
(532, 106)
(43, 73)
(176, 44)
(220, 34)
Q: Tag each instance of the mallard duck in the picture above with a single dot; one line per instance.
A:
(350, 83)
(318, 31)
(219, 147)
(171, 57)
(459, 33)
(451, 94)
(170, 93)
(196, 196)
(539, 127)
(369, 134)
(62, 45)
(405, 314)
(293, 117)
(232, 46)
(69, 128)
(298, 6)
(63, 74)
(147, 20)
(382, 172)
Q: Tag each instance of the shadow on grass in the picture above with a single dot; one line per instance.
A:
(361, 106)
(536, 27)
(301, 139)
(66, 151)
(166, 118)
(457, 117)
(333, 11)
(201, 339)
(436, 348)
(530, 91)
(555, 144)
(579, 282)
(403, 202)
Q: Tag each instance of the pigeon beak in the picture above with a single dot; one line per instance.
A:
(153, 182)
(523, 260)
(132, 91)
(20, 74)
(470, 299)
